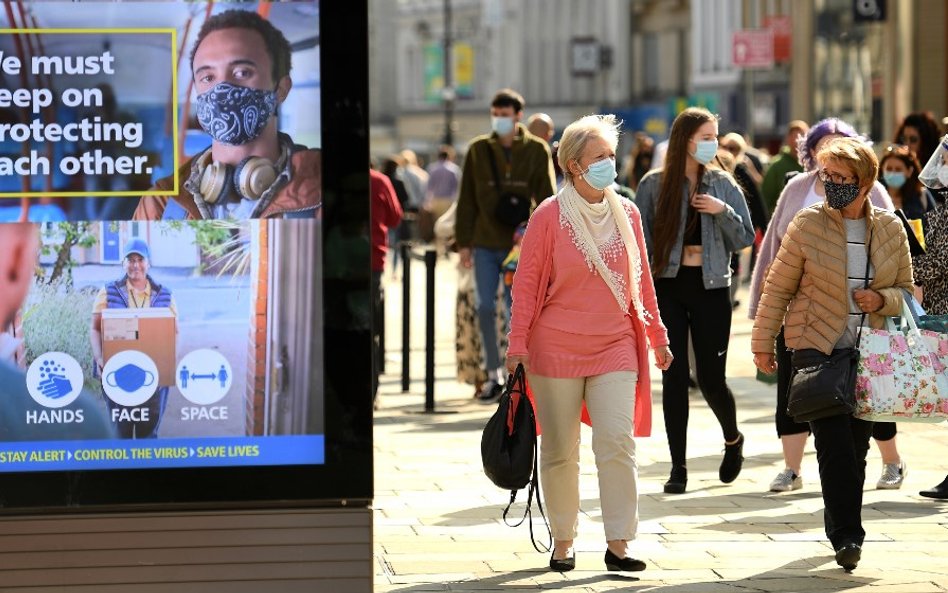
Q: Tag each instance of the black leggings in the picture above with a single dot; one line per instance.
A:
(685, 305)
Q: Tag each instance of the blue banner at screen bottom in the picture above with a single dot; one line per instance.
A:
(163, 453)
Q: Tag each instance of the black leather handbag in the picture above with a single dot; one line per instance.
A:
(822, 386)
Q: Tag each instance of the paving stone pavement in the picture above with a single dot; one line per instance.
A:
(437, 518)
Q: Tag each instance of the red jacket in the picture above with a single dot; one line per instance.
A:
(386, 213)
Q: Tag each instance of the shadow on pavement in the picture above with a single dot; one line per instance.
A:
(789, 577)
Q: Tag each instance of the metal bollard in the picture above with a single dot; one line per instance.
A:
(406, 313)
(431, 258)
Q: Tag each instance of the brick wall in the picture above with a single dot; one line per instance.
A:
(257, 344)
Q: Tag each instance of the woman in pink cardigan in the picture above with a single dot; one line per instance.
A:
(802, 191)
(583, 306)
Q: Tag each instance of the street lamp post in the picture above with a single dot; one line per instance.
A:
(447, 93)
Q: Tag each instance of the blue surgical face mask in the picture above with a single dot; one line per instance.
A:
(235, 115)
(601, 174)
(706, 151)
(130, 378)
(502, 125)
(894, 179)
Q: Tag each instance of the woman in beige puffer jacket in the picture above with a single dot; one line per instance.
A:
(815, 289)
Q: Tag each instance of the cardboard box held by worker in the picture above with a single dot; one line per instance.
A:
(150, 331)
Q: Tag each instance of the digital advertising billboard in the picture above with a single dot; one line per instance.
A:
(165, 297)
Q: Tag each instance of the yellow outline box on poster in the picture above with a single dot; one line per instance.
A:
(174, 111)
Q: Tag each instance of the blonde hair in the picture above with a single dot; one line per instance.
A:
(853, 154)
(577, 135)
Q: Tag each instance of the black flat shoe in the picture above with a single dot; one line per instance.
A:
(565, 565)
(678, 480)
(733, 461)
(940, 491)
(848, 556)
(614, 563)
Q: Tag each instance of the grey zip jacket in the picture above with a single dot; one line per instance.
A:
(721, 234)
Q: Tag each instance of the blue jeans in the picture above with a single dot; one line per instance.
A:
(487, 273)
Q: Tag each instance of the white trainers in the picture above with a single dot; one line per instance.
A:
(490, 392)
(892, 476)
(786, 481)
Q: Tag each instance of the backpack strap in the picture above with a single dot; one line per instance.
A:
(533, 488)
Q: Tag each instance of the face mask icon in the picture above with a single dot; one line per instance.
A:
(130, 378)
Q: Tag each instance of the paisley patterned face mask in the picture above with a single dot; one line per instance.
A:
(234, 114)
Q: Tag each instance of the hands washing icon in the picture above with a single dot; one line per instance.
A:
(54, 380)
(54, 384)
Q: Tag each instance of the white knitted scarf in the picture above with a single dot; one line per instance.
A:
(591, 226)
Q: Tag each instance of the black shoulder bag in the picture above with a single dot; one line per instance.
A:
(511, 209)
(509, 451)
(822, 386)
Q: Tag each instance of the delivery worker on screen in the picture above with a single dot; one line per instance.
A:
(135, 290)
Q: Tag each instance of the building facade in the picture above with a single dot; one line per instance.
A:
(869, 62)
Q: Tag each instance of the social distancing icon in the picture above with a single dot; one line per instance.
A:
(204, 377)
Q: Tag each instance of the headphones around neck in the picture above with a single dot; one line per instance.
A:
(248, 180)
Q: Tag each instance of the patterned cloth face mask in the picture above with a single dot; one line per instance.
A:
(840, 195)
(235, 115)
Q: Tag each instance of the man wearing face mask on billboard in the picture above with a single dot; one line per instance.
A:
(241, 64)
(505, 174)
(18, 255)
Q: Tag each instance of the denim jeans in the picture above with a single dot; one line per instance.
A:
(487, 272)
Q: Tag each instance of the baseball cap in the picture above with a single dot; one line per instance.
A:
(138, 246)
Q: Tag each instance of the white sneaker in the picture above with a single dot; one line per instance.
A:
(892, 476)
(786, 481)
(490, 392)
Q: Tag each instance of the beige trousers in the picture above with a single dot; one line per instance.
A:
(610, 399)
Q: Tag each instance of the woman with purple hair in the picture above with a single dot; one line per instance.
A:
(802, 191)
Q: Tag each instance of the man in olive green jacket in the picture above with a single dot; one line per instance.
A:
(523, 168)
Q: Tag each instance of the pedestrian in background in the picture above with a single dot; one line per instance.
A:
(749, 182)
(639, 161)
(583, 306)
(541, 126)
(385, 213)
(920, 132)
(898, 171)
(469, 354)
(801, 192)
(694, 216)
(524, 170)
(401, 231)
(444, 178)
(787, 161)
(931, 268)
(416, 178)
(814, 289)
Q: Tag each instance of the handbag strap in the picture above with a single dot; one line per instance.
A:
(493, 167)
(533, 488)
(865, 285)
